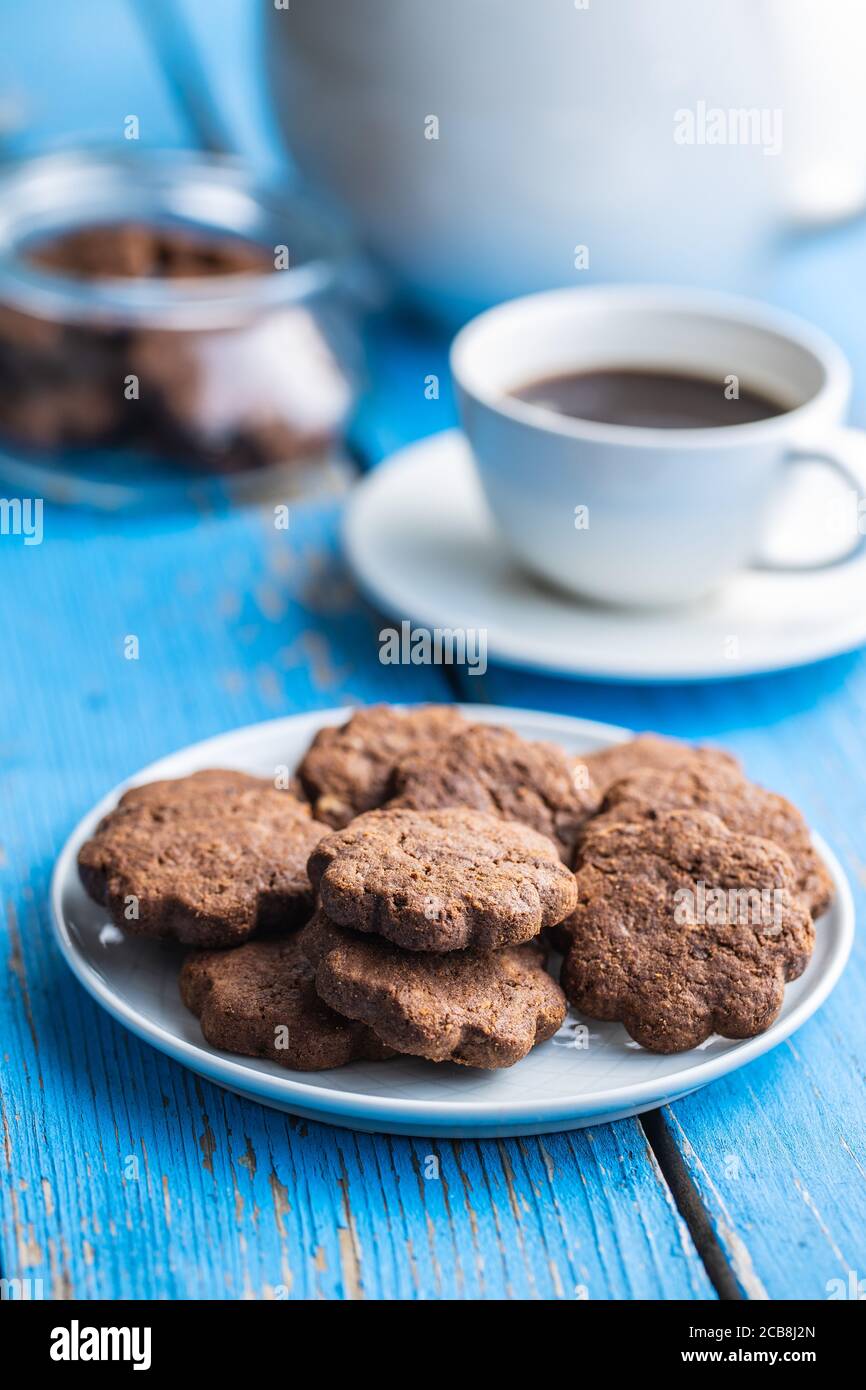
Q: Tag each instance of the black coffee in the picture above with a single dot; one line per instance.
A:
(658, 400)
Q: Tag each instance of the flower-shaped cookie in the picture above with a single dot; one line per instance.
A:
(261, 1001)
(477, 1009)
(491, 769)
(608, 765)
(442, 880)
(347, 769)
(742, 805)
(206, 859)
(684, 928)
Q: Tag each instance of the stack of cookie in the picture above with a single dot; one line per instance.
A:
(400, 898)
(428, 930)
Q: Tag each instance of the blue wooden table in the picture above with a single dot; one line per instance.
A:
(124, 1176)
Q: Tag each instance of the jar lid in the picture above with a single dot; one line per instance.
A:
(50, 195)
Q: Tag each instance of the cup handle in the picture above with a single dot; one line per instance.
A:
(845, 455)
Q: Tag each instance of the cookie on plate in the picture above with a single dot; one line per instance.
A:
(442, 880)
(261, 1001)
(347, 769)
(742, 805)
(477, 1009)
(683, 929)
(206, 859)
(489, 768)
(608, 765)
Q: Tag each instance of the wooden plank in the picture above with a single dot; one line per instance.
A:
(127, 1177)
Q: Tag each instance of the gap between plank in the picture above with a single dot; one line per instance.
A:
(690, 1205)
(455, 684)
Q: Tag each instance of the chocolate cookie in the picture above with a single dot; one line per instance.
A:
(608, 765)
(261, 1001)
(480, 1010)
(442, 880)
(684, 928)
(743, 806)
(206, 859)
(347, 770)
(491, 769)
(132, 250)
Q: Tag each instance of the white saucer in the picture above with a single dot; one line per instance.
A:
(558, 1086)
(422, 546)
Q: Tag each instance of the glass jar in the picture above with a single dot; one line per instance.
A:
(169, 325)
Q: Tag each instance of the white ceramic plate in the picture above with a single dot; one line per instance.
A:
(558, 1086)
(421, 543)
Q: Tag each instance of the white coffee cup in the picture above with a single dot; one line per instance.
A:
(647, 516)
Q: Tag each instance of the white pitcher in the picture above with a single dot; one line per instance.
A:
(488, 148)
